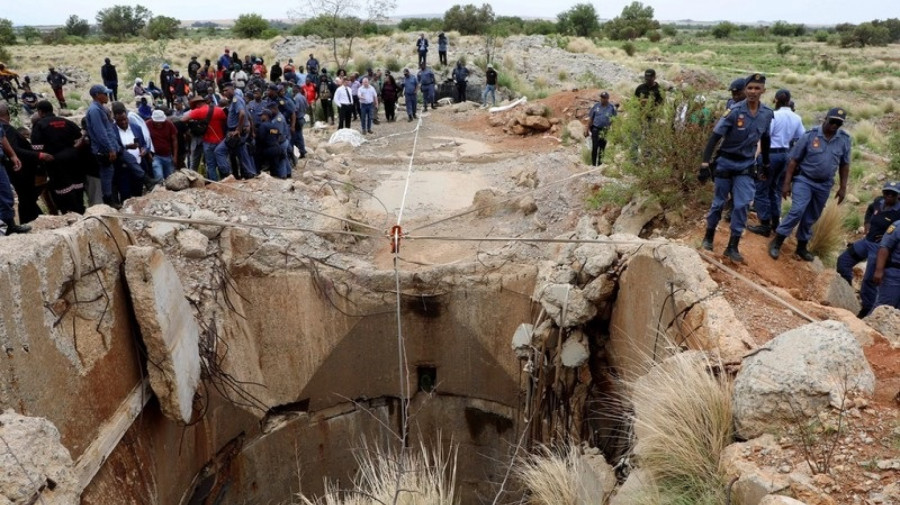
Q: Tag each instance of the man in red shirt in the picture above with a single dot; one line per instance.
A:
(164, 138)
(215, 153)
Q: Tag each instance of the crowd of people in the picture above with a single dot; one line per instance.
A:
(240, 117)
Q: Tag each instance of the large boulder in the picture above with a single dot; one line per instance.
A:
(799, 372)
(538, 123)
(886, 320)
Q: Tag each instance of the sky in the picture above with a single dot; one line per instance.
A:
(809, 12)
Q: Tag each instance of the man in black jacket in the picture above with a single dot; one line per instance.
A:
(110, 79)
(56, 137)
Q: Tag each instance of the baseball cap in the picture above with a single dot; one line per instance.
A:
(273, 87)
(165, 66)
(649, 73)
(737, 84)
(759, 78)
(783, 95)
(98, 89)
(837, 113)
(892, 186)
(158, 116)
(604, 94)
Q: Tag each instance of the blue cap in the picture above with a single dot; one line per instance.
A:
(757, 78)
(97, 89)
(837, 113)
(892, 186)
(737, 84)
(165, 66)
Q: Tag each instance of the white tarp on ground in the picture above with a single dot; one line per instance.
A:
(348, 135)
(518, 102)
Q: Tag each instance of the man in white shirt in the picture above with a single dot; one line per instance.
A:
(239, 77)
(787, 127)
(368, 102)
(343, 97)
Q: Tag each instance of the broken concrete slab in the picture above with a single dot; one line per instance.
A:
(193, 243)
(168, 328)
(636, 214)
(565, 304)
(575, 350)
(36, 467)
(834, 291)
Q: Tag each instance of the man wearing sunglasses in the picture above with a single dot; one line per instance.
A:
(815, 158)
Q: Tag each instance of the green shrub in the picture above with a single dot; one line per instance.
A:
(613, 193)
(562, 75)
(894, 155)
(629, 48)
(4, 54)
(654, 36)
(391, 63)
(821, 36)
(659, 151)
(364, 64)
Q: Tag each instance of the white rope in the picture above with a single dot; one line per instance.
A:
(227, 224)
(412, 156)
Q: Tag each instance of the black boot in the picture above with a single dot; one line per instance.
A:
(775, 246)
(708, 239)
(804, 253)
(12, 227)
(731, 252)
(764, 228)
(112, 202)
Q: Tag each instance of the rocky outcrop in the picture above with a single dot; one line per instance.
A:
(799, 373)
(886, 320)
(834, 291)
(168, 327)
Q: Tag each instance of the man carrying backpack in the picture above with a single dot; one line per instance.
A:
(211, 120)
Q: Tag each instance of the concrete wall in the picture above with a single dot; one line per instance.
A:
(74, 353)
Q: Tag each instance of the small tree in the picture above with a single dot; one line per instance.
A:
(162, 27)
(30, 34)
(121, 21)
(7, 34)
(250, 26)
(77, 27)
(635, 21)
(580, 20)
(337, 21)
(723, 30)
(468, 19)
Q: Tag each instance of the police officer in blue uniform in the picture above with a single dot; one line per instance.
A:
(820, 153)
(426, 83)
(238, 125)
(599, 120)
(739, 129)
(879, 216)
(410, 86)
(269, 143)
(887, 268)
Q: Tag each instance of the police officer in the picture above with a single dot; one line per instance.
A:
(237, 127)
(787, 127)
(270, 142)
(410, 87)
(879, 216)
(301, 107)
(460, 76)
(887, 268)
(426, 84)
(599, 119)
(442, 48)
(739, 129)
(737, 92)
(312, 69)
(815, 158)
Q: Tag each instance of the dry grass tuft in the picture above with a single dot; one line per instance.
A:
(581, 45)
(683, 422)
(426, 477)
(828, 238)
(551, 478)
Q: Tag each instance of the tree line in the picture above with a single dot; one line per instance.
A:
(121, 22)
